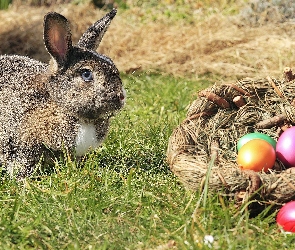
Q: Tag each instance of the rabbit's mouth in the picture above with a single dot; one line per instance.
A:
(94, 114)
(102, 108)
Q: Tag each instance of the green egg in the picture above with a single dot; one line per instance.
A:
(248, 137)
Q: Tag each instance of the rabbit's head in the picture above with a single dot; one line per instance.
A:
(79, 79)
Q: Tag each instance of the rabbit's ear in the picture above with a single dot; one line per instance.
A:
(57, 36)
(94, 34)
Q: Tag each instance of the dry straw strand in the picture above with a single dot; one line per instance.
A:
(216, 43)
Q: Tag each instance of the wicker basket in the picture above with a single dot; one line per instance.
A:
(216, 120)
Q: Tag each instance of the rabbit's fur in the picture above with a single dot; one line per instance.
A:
(67, 104)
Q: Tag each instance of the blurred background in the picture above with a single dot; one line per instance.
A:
(232, 39)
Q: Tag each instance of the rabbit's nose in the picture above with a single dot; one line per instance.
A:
(122, 96)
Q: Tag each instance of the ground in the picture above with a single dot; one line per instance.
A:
(123, 195)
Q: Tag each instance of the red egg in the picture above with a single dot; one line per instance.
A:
(286, 217)
(256, 155)
(286, 147)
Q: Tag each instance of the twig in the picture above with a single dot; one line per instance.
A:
(244, 92)
(214, 98)
(271, 82)
(239, 101)
(271, 122)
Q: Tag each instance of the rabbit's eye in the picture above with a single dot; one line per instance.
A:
(87, 75)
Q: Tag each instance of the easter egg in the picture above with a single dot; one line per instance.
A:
(286, 217)
(256, 155)
(248, 137)
(285, 148)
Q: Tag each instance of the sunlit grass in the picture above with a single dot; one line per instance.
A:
(123, 196)
(4, 4)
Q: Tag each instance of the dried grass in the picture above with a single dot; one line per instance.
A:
(214, 44)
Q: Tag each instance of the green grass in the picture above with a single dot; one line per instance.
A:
(123, 196)
(4, 4)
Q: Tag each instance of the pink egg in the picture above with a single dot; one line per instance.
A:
(286, 217)
(285, 148)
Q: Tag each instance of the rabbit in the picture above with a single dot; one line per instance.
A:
(67, 104)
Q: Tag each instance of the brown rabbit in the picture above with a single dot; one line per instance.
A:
(67, 104)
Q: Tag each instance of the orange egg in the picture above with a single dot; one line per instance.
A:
(256, 155)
